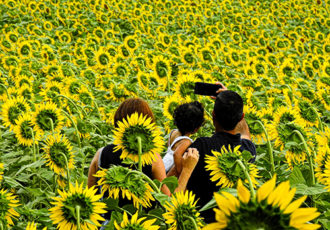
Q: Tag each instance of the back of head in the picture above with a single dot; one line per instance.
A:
(228, 109)
(131, 106)
(188, 117)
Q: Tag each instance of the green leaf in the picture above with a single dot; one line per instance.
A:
(211, 204)
(171, 182)
(296, 177)
(112, 204)
(161, 198)
(246, 155)
(303, 189)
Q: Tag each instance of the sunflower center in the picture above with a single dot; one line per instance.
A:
(130, 135)
(228, 165)
(121, 71)
(307, 112)
(25, 129)
(255, 127)
(43, 120)
(161, 69)
(68, 209)
(182, 212)
(260, 216)
(56, 152)
(15, 111)
(104, 59)
(189, 58)
(187, 88)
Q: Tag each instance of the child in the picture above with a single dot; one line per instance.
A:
(188, 117)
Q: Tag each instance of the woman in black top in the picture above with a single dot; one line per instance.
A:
(106, 156)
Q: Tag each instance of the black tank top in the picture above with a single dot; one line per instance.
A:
(109, 157)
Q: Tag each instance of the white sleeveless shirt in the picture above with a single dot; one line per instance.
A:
(168, 159)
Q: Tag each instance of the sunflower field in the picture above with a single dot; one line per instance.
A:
(66, 65)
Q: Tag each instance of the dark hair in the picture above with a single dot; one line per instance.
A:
(228, 109)
(131, 106)
(188, 117)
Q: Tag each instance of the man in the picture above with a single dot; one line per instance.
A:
(230, 129)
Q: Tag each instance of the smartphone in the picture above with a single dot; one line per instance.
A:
(206, 89)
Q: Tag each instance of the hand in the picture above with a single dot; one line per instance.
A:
(190, 159)
(223, 88)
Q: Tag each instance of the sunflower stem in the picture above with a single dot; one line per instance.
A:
(51, 124)
(34, 146)
(1, 225)
(139, 141)
(78, 216)
(193, 221)
(67, 166)
(246, 173)
(74, 104)
(75, 126)
(309, 155)
(319, 119)
(3, 86)
(269, 148)
(152, 184)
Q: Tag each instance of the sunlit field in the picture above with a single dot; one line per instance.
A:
(65, 67)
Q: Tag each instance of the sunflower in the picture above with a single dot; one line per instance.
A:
(131, 43)
(324, 97)
(307, 112)
(24, 129)
(322, 171)
(136, 223)
(187, 56)
(287, 120)
(56, 148)
(8, 202)
(225, 169)
(25, 49)
(185, 86)
(119, 179)
(162, 70)
(117, 92)
(135, 126)
(12, 109)
(170, 105)
(22, 80)
(181, 210)
(103, 59)
(26, 92)
(272, 209)
(85, 96)
(143, 80)
(52, 89)
(257, 132)
(42, 116)
(65, 208)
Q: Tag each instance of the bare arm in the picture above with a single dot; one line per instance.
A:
(178, 154)
(189, 161)
(158, 172)
(243, 128)
(92, 180)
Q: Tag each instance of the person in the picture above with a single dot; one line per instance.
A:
(106, 156)
(230, 129)
(188, 118)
